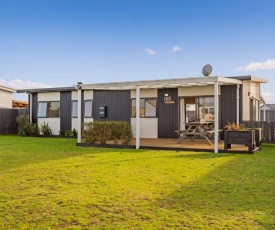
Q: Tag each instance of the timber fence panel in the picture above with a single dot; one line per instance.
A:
(268, 129)
(8, 123)
(272, 131)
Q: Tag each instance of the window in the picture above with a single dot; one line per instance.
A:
(74, 108)
(148, 108)
(42, 109)
(88, 105)
(205, 107)
(48, 109)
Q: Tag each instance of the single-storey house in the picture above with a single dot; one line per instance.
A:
(162, 105)
(268, 112)
(268, 107)
(6, 97)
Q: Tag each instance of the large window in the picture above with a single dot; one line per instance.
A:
(148, 108)
(88, 106)
(48, 109)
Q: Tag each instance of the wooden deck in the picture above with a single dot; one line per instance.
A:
(195, 145)
(171, 144)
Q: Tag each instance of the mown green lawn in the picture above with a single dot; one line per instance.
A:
(49, 183)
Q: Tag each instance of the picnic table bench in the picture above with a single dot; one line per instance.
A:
(197, 129)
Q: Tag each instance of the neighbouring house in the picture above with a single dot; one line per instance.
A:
(162, 105)
(6, 97)
(268, 112)
(268, 107)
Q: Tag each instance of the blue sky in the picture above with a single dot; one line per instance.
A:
(57, 43)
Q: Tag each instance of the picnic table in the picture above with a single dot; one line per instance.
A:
(197, 129)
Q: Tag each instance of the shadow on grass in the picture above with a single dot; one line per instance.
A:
(238, 194)
(19, 151)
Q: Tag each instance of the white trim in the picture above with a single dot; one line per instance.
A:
(79, 117)
(238, 104)
(30, 113)
(137, 117)
(216, 121)
(185, 82)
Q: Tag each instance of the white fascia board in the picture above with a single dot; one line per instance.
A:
(7, 89)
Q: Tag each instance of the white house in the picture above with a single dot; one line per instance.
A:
(6, 97)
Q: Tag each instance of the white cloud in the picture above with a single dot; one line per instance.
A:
(19, 84)
(175, 49)
(269, 64)
(269, 97)
(151, 52)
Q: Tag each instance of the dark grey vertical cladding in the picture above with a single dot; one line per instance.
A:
(34, 107)
(117, 102)
(65, 110)
(228, 104)
(168, 113)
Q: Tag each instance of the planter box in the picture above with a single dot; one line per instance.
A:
(240, 137)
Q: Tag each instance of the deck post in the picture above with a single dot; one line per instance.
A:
(78, 113)
(137, 117)
(216, 115)
(238, 104)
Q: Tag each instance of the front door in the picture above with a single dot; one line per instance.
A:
(168, 113)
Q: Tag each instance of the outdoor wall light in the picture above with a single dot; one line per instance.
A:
(79, 85)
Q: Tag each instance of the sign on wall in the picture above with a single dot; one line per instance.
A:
(168, 99)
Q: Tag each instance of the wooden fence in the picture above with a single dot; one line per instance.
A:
(267, 127)
(8, 124)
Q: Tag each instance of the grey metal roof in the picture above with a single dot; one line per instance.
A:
(162, 83)
(249, 78)
(43, 90)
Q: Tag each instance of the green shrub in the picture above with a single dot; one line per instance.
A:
(127, 133)
(69, 133)
(61, 133)
(108, 130)
(116, 131)
(22, 120)
(89, 133)
(25, 127)
(45, 129)
(74, 132)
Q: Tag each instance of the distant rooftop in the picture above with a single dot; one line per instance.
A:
(7, 89)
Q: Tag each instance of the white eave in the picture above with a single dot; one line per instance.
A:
(165, 83)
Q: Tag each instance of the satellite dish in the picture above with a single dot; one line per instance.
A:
(206, 70)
